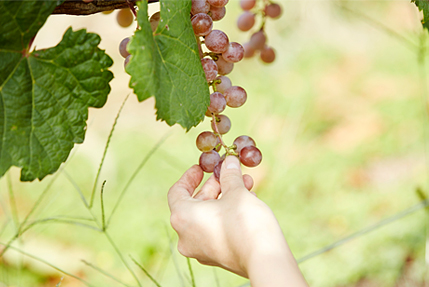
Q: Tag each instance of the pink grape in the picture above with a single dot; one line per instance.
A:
(218, 3)
(208, 160)
(206, 141)
(200, 6)
(235, 96)
(123, 47)
(257, 40)
(223, 124)
(247, 4)
(234, 54)
(243, 141)
(268, 55)
(217, 169)
(224, 67)
(250, 156)
(127, 59)
(246, 21)
(249, 52)
(217, 103)
(273, 10)
(202, 24)
(217, 13)
(217, 41)
(225, 83)
(210, 69)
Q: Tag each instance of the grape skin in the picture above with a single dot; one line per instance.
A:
(154, 21)
(206, 141)
(250, 156)
(225, 83)
(125, 17)
(200, 6)
(243, 141)
(249, 52)
(257, 40)
(217, 13)
(235, 96)
(234, 54)
(208, 160)
(223, 124)
(210, 69)
(123, 47)
(202, 24)
(224, 67)
(268, 55)
(247, 4)
(217, 41)
(218, 3)
(217, 103)
(246, 21)
(273, 10)
(127, 59)
(217, 169)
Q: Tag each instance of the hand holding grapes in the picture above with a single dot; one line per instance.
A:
(237, 232)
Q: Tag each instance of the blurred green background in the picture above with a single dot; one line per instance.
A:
(341, 119)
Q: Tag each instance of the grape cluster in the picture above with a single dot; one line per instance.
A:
(218, 56)
(246, 21)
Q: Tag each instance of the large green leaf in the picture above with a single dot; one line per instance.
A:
(423, 5)
(167, 65)
(45, 95)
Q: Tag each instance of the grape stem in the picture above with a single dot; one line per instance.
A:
(229, 151)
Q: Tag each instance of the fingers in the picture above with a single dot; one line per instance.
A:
(230, 175)
(186, 185)
(210, 189)
(248, 181)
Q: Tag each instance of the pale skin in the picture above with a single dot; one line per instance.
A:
(237, 232)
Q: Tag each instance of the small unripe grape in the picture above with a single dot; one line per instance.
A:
(202, 24)
(224, 84)
(257, 40)
(208, 160)
(247, 4)
(123, 47)
(154, 21)
(268, 55)
(246, 21)
(218, 3)
(217, 103)
(107, 12)
(234, 54)
(249, 52)
(210, 69)
(223, 124)
(217, 13)
(206, 141)
(273, 10)
(125, 17)
(243, 141)
(250, 156)
(217, 169)
(235, 96)
(200, 6)
(224, 67)
(217, 41)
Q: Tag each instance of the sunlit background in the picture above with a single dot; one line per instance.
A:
(340, 117)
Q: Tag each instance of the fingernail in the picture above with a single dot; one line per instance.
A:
(231, 162)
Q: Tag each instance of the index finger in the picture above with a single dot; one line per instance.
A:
(186, 185)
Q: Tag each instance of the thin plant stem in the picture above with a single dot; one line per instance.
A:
(145, 272)
(12, 202)
(191, 273)
(107, 274)
(103, 221)
(57, 220)
(91, 201)
(175, 263)
(77, 188)
(216, 277)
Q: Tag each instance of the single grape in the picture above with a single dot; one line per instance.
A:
(217, 13)
(243, 141)
(123, 47)
(218, 3)
(217, 103)
(224, 84)
(246, 21)
(250, 156)
(206, 141)
(235, 96)
(217, 41)
(107, 12)
(200, 6)
(224, 67)
(268, 55)
(127, 59)
(234, 54)
(208, 160)
(125, 17)
(202, 24)
(247, 4)
(257, 40)
(210, 69)
(154, 21)
(217, 168)
(223, 124)
(273, 10)
(249, 52)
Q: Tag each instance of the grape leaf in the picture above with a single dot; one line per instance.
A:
(423, 6)
(166, 65)
(45, 95)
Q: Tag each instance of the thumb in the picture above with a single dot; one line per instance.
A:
(231, 177)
